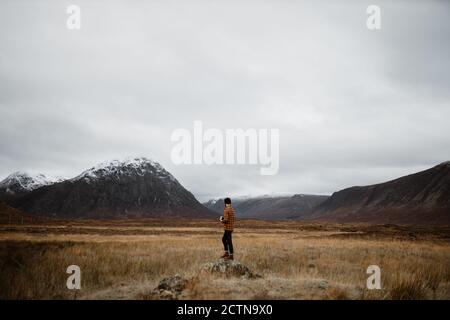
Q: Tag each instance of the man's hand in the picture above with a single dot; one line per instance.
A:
(221, 218)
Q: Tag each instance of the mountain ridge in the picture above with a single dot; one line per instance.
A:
(131, 188)
(421, 197)
(22, 182)
(140, 187)
(270, 207)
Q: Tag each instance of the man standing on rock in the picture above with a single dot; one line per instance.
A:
(228, 225)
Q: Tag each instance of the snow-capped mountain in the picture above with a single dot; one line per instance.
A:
(136, 187)
(19, 183)
(116, 168)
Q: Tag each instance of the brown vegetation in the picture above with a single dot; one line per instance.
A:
(127, 259)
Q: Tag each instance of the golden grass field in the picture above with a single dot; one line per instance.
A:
(127, 259)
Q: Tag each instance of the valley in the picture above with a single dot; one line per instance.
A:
(126, 259)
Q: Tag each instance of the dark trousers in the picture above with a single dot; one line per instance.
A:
(227, 241)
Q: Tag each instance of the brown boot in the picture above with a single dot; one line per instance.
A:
(224, 256)
(229, 257)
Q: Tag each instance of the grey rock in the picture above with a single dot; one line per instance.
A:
(323, 284)
(169, 288)
(175, 283)
(229, 268)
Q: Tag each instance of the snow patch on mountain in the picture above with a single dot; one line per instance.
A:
(138, 166)
(23, 181)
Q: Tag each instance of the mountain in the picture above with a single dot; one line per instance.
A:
(132, 188)
(271, 207)
(20, 183)
(11, 215)
(420, 198)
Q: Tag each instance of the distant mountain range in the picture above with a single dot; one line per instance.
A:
(271, 207)
(143, 188)
(420, 198)
(132, 188)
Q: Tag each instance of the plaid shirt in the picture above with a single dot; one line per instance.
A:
(229, 218)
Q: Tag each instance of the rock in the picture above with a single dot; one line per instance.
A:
(323, 284)
(169, 288)
(175, 283)
(229, 268)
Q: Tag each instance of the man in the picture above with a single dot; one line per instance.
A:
(228, 225)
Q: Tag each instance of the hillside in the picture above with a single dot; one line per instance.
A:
(419, 198)
(132, 188)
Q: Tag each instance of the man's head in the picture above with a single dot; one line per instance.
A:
(227, 201)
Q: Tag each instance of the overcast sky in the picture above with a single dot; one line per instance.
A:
(353, 106)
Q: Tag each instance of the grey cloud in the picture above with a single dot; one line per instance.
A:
(353, 106)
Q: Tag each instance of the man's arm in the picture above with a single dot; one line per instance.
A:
(225, 215)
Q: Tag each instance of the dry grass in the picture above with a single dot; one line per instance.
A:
(411, 288)
(337, 293)
(297, 261)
